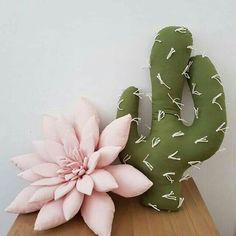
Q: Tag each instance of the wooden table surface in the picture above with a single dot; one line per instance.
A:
(132, 219)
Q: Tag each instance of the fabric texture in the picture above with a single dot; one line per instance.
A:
(173, 146)
(70, 171)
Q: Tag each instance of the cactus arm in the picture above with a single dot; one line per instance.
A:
(169, 57)
(209, 101)
(128, 104)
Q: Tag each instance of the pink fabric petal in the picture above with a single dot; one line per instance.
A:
(29, 175)
(46, 169)
(89, 136)
(50, 216)
(67, 135)
(92, 162)
(21, 204)
(49, 128)
(55, 150)
(72, 203)
(64, 189)
(50, 151)
(131, 181)
(40, 149)
(26, 161)
(83, 111)
(49, 181)
(107, 155)
(103, 181)
(44, 194)
(98, 212)
(85, 185)
(116, 133)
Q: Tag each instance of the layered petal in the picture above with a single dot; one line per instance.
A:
(67, 135)
(44, 194)
(131, 181)
(103, 181)
(89, 136)
(107, 155)
(55, 150)
(49, 128)
(49, 181)
(83, 111)
(72, 203)
(63, 189)
(29, 175)
(92, 162)
(49, 151)
(21, 204)
(85, 185)
(27, 161)
(116, 133)
(41, 150)
(98, 211)
(46, 169)
(50, 216)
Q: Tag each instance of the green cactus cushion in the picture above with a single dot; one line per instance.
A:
(172, 147)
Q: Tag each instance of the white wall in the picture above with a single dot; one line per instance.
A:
(53, 51)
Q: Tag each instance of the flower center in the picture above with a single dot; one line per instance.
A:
(74, 166)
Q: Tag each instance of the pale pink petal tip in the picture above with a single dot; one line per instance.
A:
(107, 155)
(49, 150)
(131, 181)
(29, 175)
(72, 203)
(67, 134)
(21, 204)
(103, 181)
(44, 194)
(26, 161)
(7, 209)
(85, 185)
(50, 216)
(89, 136)
(98, 211)
(64, 189)
(80, 118)
(46, 169)
(116, 133)
(48, 181)
(92, 162)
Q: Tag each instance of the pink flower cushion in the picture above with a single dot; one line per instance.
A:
(70, 171)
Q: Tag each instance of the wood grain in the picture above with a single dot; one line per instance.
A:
(132, 219)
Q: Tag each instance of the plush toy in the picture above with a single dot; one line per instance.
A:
(70, 171)
(172, 147)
